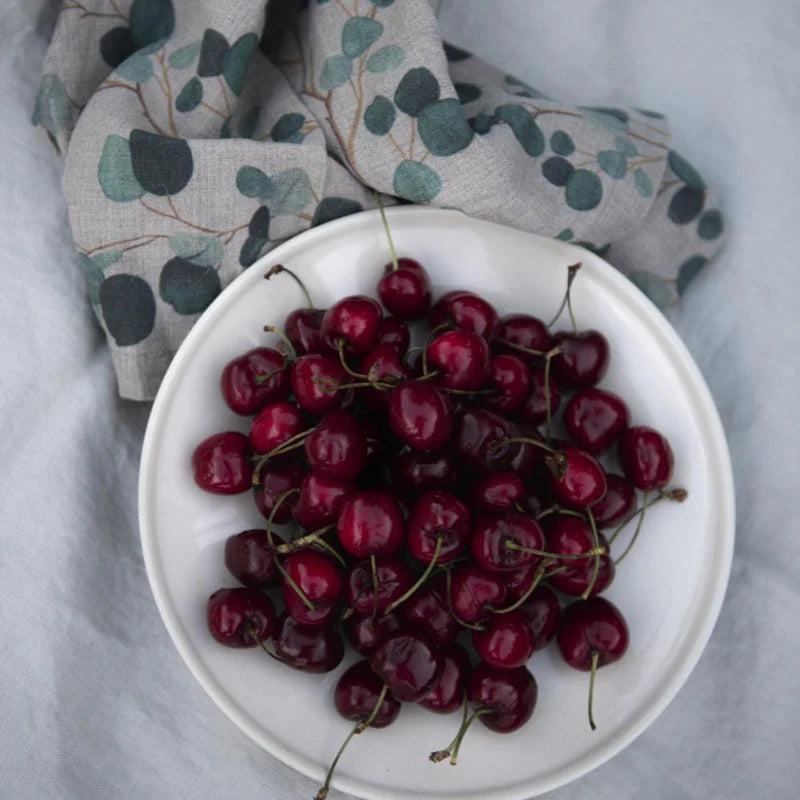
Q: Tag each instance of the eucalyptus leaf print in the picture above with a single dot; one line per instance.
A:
(288, 128)
(416, 182)
(331, 208)
(380, 115)
(115, 171)
(128, 308)
(116, 45)
(386, 59)
(52, 109)
(213, 50)
(187, 286)
(161, 164)
(417, 89)
(443, 128)
(359, 34)
(151, 21)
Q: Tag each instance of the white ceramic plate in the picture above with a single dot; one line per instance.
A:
(670, 588)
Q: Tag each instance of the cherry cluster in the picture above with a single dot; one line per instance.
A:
(441, 492)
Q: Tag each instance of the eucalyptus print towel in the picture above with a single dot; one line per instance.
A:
(198, 134)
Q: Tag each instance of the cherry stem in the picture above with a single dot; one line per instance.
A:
(595, 657)
(547, 409)
(278, 503)
(596, 562)
(675, 495)
(428, 339)
(595, 551)
(469, 391)
(422, 578)
(278, 268)
(332, 550)
(645, 506)
(309, 538)
(260, 642)
(330, 388)
(572, 271)
(440, 755)
(340, 344)
(522, 349)
(448, 585)
(373, 565)
(395, 264)
(291, 352)
(359, 727)
(259, 379)
(537, 577)
(284, 447)
(463, 732)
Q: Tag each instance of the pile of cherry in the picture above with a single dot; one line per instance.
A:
(435, 494)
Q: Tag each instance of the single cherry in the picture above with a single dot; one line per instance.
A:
(594, 418)
(394, 578)
(383, 364)
(473, 592)
(364, 631)
(221, 464)
(582, 579)
(310, 648)
(438, 528)
(580, 481)
(315, 382)
(274, 425)
(466, 311)
(240, 617)
(497, 492)
(511, 379)
(428, 610)
(274, 483)
(508, 695)
(250, 557)
(619, 502)
(462, 357)
(337, 446)
(646, 458)
(353, 321)
(317, 577)
(421, 415)
(409, 663)
(520, 333)
(405, 289)
(543, 612)
(356, 696)
(394, 331)
(320, 500)
(481, 439)
(302, 329)
(534, 407)
(447, 694)
(503, 544)
(419, 472)
(253, 379)
(506, 643)
(583, 360)
(370, 523)
(569, 536)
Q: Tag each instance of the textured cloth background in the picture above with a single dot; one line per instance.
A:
(198, 134)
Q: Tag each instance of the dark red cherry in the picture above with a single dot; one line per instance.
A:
(583, 361)
(543, 612)
(310, 648)
(355, 321)
(509, 693)
(364, 631)
(394, 579)
(318, 577)
(438, 517)
(395, 332)
(594, 418)
(480, 439)
(518, 582)
(534, 408)
(302, 329)
(383, 363)
(462, 357)
(315, 380)
(242, 381)
(240, 617)
(568, 535)
(370, 523)
(274, 425)
(320, 500)
(405, 291)
(421, 415)
(592, 626)
(447, 694)
(466, 311)
(274, 483)
(511, 379)
(646, 458)
(583, 482)
(524, 331)
(473, 592)
(427, 609)
(356, 695)
(492, 536)
(506, 643)
(250, 557)
(221, 464)
(337, 446)
(409, 663)
(497, 492)
(419, 472)
(575, 580)
(619, 502)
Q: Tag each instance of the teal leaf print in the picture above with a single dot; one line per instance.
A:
(565, 235)
(105, 259)
(561, 143)
(604, 121)
(521, 88)
(115, 171)
(584, 190)
(116, 45)
(651, 114)
(336, 72)
(379, 116)
(613, 163)
(287, 128)
(128, 308)
(685, 171)
(524, 127)
(95, 267)
(386, 59)
(213, 50)
(686, 205)
(557, 170)
(225, 129)
(334, 207)
(151, 21)
(184, 56)
(467, 92)
(237, 61)
(642, 182)
(188, 287)
(654, 287)
(251, 251)
(136, 69)
(288, 192)
(252, 182)
(454, 53)
(417, 89)
(52, 109)
(382, 3)
(199, 248)
(163, 165)
(710, 225)
(359, 34)
(416, 182)
(259, 224)
(625, 146)
(688, 271)
(483, 123)
(248, 123)
(443, 128)
(190, 96)
(617, 113)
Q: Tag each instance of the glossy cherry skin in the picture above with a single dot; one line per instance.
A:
(302, 329)
(473, 592)
(275, 482)
(497, 492)
(463, 359)
(221, 464)
(510, 377)
(370, 523)
(356, 695)
(480, 439)
(568, 535)
(315, 379)
(395, 332)
(419, 472)
(320, 500)
(519, 581)
(510, 694)
(534, 408)
(447, 694)
(394, 579)
(421, 415)
(507, 642)
(589, 626)
(575, 580)
(594, 418)
(583, 483)
(619, 502)
(405, 291)
(408, 662)
(319, 579)
(491, 535)
(354, 320)
(364, 631)
(274, 424)
(310, 648)
(524, 331)
(466, 311)
(337, 446)
(427, 609)
(240, 617)
(646, 458)
(239, 384)
(250, 557)
(543, 612)
(583, 361)
(438, 516)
